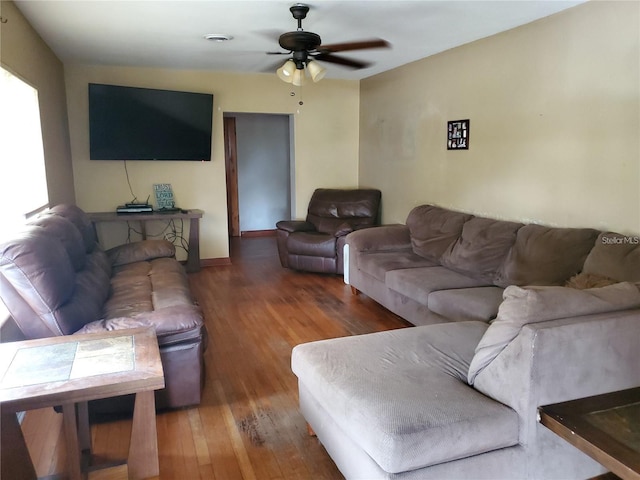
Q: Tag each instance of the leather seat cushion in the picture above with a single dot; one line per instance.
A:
(312, 244)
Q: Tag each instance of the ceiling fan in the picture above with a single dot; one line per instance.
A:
(306, 47)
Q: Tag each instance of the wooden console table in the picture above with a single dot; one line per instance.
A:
(71, 370)
(605, 427)
(193, 215)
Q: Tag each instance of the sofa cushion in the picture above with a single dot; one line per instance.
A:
(170, 284)
(82, 222)
(377, 264)
(545, 255)
(131, 291)
(312, 244)
(479, 303)
(418, 283)
(140, 251)
(615, 256)
(70, 237)
(147, 286)
(399, 394)
(522, 306)
(482, 247)
(433, 229)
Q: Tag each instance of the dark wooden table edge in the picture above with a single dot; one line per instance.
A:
(566, 419)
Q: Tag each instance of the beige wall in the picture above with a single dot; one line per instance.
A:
(555, 115)
(325, 129)
(24, 54)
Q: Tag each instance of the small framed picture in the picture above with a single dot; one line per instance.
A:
(458, 135)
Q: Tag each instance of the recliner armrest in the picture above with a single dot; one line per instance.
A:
(295, 226)
(140, 251)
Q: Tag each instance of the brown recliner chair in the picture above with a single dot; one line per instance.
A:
(316, 244)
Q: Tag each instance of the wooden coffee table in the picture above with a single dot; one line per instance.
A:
(69, 371)
(605, 427)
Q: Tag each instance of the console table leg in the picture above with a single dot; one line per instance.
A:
(143, 449)
(193, 257)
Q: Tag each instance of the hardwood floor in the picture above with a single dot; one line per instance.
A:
(248, 425)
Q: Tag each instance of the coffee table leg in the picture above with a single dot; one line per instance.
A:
(14, 455)
(71, 438)
(84, 428)
(143, 449)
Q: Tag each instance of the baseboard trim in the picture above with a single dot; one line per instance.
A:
(215, 262)
(258, 233)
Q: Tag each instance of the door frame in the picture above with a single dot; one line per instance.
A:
(231, 167)
(231, 171)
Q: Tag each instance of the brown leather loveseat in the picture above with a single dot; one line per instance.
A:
(316, 244)
(56, 280)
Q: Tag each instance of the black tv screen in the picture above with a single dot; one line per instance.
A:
(127, 123)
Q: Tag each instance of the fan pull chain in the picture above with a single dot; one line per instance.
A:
(300, 102)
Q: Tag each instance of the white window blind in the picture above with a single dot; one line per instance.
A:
(23, 185)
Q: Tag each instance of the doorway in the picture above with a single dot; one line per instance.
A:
(258, 156)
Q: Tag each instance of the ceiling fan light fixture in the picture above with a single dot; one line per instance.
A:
(316, 70)
(286, 71)
(298, 77)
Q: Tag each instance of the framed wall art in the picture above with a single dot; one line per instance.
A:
(458, 135)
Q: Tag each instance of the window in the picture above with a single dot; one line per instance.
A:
(23, 187)
(23, 183)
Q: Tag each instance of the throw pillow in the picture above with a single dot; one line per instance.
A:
(615, 255)
(545, 255)
(585, 280)
(521, 306)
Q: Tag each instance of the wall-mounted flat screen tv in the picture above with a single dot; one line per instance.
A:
(128, 123)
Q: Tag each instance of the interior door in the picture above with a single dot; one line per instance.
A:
(259, 171)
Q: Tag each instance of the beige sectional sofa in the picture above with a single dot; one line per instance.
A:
(457, 396)
(445, 265)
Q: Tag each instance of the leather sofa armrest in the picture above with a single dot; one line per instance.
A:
(172, 324)
(295, 226)
(385, 237)
(140, 251)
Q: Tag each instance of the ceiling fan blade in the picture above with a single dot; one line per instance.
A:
(347, 62)
(278, 53)
(360, 45)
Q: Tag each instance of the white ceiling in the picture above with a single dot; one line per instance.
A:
(169, 34)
